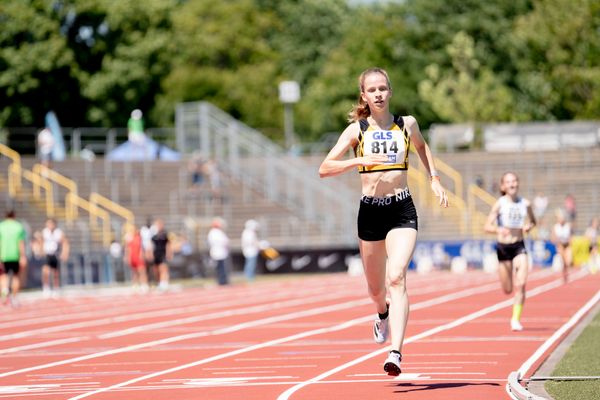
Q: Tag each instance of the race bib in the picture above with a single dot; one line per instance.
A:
(389, 143)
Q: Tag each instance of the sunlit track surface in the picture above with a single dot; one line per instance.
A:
(303, 337)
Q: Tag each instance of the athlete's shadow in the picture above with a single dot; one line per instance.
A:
(415, 387)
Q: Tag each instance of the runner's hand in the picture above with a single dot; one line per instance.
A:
(372, 160)
(439, 191)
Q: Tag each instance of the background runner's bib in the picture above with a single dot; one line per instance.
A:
(512, 214)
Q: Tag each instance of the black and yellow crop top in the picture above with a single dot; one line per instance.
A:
(393, 142)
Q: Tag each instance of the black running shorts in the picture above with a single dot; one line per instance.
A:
(508, 251)
(379, 215)
(11, 266)
(52, 261)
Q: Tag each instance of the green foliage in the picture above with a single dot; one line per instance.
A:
(223, 56)
(36, 66)
(468, 92)
(556, 50)
(134, 41)
(307, 32)
(93, 61)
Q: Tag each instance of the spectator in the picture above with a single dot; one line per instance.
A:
(250, 248)
(37, 245)
(218, 244)
(570, 209)
(12, 257)
(115, 250)
(561, 237)
(162, 253)
(211, 170)
(134, 257)
(56, 249)
(540, 204)
(479, 181)
(591, 234)
(196, 170)
(135, 127)
(45, 144)
(146, 233)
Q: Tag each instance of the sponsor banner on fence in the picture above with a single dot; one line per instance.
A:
(439, 252)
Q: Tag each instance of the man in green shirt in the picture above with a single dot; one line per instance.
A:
(12, 255)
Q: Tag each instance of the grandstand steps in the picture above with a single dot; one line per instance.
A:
(163, 190)
(555, 173)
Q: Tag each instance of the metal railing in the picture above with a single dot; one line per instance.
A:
(284, 179)
(74, 202)
(61, 180)
(457, 209)
(476, 196)
(14, 180)
(37, 181)
(125, 213)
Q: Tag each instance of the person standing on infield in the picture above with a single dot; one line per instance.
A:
(510, 218)
(387, 218)
(12, 257)
(56, 248)
(162, 253)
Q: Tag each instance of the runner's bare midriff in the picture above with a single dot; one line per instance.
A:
(384, 183)
(513, 235)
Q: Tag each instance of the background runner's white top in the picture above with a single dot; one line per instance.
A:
(52, 240)
(512, 214)
(562, 232)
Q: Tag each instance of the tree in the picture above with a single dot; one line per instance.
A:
(128, 53)
(469, 92)
(37, 68)
(307, 31)
(556, 48)
(224, 56)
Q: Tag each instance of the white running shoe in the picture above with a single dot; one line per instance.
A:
(392, 364)
(515, 325)
(380, 329)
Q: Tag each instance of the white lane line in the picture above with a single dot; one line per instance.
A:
(233, 328)
(284, 358)
(419, 290)
(558, 334)
(222, 314)
(259, 367)
(460, 321)
(477, 355)
(43, 344)
(129, 317)
(238, 383)
(338, 327)
(470, 339)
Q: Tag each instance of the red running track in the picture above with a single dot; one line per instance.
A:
(296, 338)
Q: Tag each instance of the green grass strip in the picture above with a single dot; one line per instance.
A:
(582, 359)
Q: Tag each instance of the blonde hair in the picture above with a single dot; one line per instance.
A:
(361, 109)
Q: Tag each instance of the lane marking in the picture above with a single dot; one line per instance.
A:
(148, 314)
(513, 386)
(43, 344)
(229, 329)
(221, 314)
(194, 335)
(259, 367)
(460, 321)
(568, 325)
(427, 303)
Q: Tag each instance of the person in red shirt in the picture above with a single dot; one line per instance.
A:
(134, 257)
